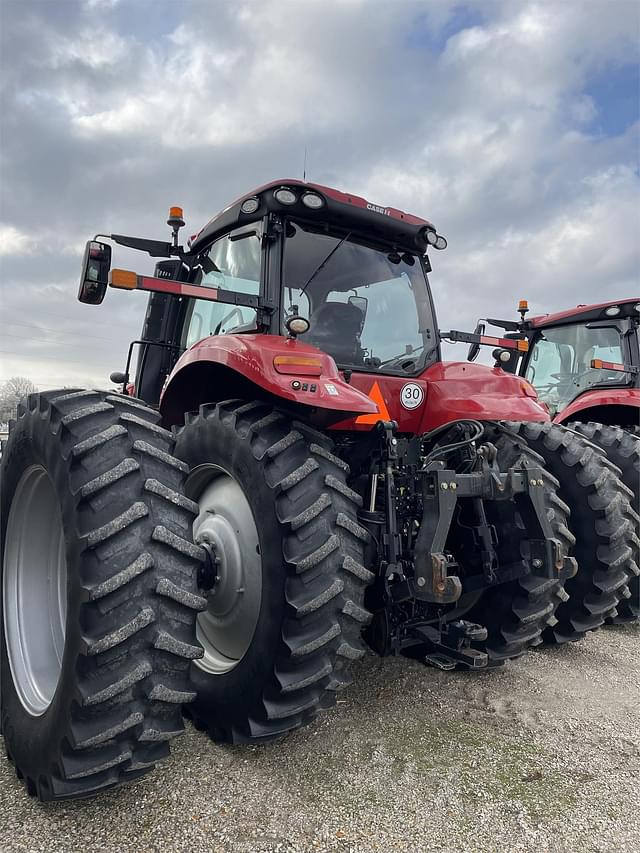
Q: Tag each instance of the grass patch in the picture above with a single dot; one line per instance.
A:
(480, 766)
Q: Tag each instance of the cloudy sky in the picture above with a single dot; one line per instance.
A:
(512, 125)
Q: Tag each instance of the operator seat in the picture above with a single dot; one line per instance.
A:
(335, 329)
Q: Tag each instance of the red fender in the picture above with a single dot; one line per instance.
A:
(629, 397)
(308, 376)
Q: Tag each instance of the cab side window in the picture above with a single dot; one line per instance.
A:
(232, 263)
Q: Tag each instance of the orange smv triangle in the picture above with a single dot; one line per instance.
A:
(382, 414)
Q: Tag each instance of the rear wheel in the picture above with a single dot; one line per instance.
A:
(99, 593)
(285, 608)
(602, 521)
(516, 613)
(623, 449)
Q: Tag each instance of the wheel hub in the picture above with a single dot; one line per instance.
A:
(34, 590)
(232, 571)
(208, 571)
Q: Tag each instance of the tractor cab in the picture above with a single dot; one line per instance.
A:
(308, 294)
(316, 268)
(320, 282)
(591, 348)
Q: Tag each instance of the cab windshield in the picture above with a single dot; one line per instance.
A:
(559, 365)
(368, 308)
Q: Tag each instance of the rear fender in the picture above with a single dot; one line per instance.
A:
(604, 405)
(224, 366)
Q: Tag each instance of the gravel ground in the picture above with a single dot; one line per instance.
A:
(540, 755)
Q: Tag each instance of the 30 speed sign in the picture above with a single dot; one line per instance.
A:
(411, 395)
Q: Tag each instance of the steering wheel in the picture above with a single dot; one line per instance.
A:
(226, 318)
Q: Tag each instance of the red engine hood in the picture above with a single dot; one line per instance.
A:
(448, 392)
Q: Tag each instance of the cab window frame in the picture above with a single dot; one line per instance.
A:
(429, 331)
(243, 300)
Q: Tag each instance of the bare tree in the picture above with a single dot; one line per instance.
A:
(11, 392)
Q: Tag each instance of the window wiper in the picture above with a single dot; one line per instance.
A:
(323, 263)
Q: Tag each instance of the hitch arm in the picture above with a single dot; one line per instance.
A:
(439, 497)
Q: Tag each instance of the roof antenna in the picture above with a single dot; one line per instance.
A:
(304, 168)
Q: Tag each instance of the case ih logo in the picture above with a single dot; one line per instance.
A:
(377, 209)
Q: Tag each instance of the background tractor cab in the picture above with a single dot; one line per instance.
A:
(308, 294)
(584, 362)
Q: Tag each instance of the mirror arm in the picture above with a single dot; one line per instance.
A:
(154, 248)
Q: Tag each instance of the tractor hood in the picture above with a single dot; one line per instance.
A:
(446, 392)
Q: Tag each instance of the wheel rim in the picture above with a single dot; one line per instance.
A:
(226, 523)
(34, 590)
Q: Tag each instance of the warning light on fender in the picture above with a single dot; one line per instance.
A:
(302, 365)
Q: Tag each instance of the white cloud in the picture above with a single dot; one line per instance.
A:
(14, 242)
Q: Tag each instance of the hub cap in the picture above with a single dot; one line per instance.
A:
(34, 590)
(225, 522)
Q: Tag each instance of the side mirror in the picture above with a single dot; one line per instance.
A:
(361, 303)
(96, 264)
(474, 349)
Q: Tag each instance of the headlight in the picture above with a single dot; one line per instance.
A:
(285, 196)
(313, 200)
(250, 205)
(612, 311)
(433, 239)
(297, 325)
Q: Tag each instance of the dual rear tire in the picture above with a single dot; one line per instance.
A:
(285, 611)
(622, 448)
(603, 521)
(100, 593)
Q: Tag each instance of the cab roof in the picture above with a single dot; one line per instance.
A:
(584, 313)
(356, 214)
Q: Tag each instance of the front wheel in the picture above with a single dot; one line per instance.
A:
(286, 576)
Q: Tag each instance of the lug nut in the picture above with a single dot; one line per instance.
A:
(454, 486)
(540, 482)
(533, 482)
(444, 486)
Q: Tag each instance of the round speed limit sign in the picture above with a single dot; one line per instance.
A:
(411, 395)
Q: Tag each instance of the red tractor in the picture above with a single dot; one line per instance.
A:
(329, 482)
(585, 365)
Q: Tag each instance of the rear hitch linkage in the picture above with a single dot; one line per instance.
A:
(430, 573)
